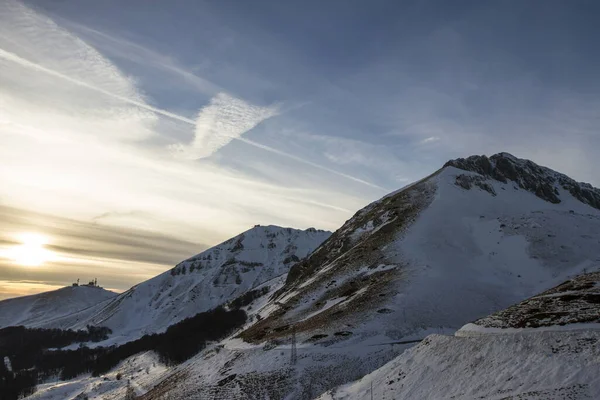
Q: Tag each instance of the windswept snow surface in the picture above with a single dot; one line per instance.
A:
(516, 353)
(140, 371)
(39, 308)
(473, 253)
(200, 283)
(572, 305)
(538, 365)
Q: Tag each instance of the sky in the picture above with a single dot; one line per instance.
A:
(135, 134)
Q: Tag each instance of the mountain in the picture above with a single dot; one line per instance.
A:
(200, 283)
(31, 310)
(473, 238)
(545, 347)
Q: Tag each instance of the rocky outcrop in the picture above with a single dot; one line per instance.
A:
(541, 181)
(468, 181)
(575, 301)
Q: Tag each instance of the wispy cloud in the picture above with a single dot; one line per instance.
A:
(129, 50)
(429, 139)
(226, 118)
(233, 114)
(74, 133)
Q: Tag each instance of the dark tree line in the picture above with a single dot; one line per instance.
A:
(248, 297)
(32, 361)
(26, 351)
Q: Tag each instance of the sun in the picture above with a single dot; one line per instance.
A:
(31, 252)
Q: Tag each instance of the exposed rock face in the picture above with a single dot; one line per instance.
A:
(467, 182)
(541, 181)
(575, 301)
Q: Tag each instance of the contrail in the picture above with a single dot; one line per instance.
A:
(296, 158)
(26, 63)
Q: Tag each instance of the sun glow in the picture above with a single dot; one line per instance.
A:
(31, 252)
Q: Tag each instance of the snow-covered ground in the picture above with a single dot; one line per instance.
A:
(141, 372)
(202, 282)
(42, 307)
(537, 365)
(573, 305)
(502, 356)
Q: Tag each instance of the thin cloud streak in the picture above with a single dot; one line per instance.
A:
(137, 53)
(226, 118)
(26, 63)
(350, 177)
(21, 61)
(71, 148)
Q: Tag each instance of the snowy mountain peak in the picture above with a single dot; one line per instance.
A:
(429, 258)
(541, 181)
(250, 248)
(259, 256)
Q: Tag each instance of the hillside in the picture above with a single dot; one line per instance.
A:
(200, 283)
(451, 248)
(545, 347)
(441, 252)
(37, 308)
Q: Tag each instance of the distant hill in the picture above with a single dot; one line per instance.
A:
(41, 307)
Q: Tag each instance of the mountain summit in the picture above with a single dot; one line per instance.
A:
(543, 182)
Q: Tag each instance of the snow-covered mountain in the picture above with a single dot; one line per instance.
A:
(211, 278)
(450, 248)
(546, 347)
(34, 309)
(471, 239)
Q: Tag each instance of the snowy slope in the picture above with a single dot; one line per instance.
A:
(199, 283)
(533, 366)
(437, 254)
(140, 372)
(38, 308)
(547, 347)
(449, 249)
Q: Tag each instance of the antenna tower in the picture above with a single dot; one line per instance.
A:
(294, 358)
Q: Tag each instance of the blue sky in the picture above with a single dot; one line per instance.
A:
(189, 121)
